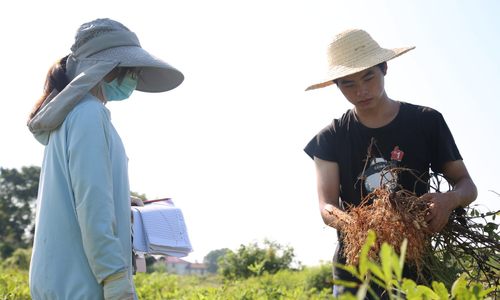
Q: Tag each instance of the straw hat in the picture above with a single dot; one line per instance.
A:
(352, 51)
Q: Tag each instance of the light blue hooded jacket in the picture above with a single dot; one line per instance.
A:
(82, 246)
(83, 224)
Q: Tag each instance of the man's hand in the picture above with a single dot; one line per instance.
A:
(441, 205)
(339, 219)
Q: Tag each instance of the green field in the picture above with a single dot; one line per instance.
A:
(308, 283)
(283, 285)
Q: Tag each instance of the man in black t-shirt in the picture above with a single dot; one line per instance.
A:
(352, 155)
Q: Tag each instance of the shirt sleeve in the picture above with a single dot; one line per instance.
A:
(322, 145)
(91, 179)
(442, 144)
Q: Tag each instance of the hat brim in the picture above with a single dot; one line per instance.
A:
(361, 64)
(155, 75)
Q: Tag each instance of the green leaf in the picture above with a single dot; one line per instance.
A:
(493, 263)
(396, 267)
(347, 296)
(477, 290)
(349, 268)
(361, 294)
(257, 268)
(409, 288)
(423, 290)
(440, 289)
(376, 270)
(348, 284)
(386, 259)
(402, 251)
(484, 293)
(459, 285)
(363, 256)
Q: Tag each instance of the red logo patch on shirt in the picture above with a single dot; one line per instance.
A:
(397, 154)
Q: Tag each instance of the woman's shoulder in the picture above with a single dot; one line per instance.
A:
(88, 110)
(89, 105)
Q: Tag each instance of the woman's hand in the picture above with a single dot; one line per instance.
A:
(118, 287)
(135, 201)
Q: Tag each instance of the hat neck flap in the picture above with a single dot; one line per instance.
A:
(84, 73)
(53, 113)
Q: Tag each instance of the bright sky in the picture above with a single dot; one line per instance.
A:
(227, 144)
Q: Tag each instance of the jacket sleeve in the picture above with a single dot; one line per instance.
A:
(92, 183)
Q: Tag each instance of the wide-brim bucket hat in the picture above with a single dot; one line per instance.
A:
(109, 40)
(155, 75)
(101, 46)
(353, 51)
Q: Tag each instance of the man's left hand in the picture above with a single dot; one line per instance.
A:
(441, 205)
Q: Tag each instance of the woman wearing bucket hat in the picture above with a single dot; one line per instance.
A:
(82, 245)
(353, 153)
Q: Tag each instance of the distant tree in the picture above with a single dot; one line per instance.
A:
(251, 260)
(319, 277)
(212, 258)
(18, 192)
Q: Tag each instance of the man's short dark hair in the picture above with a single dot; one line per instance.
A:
(382, 66)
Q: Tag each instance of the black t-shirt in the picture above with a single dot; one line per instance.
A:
(418, 139)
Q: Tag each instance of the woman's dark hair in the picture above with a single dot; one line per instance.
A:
(56, 79)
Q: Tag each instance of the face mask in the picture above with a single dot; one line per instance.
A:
(114, 91)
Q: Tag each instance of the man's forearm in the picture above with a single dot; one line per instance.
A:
(464, 191)
(335, 217)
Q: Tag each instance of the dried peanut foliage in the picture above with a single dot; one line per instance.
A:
(394, 217)
(470, 242)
